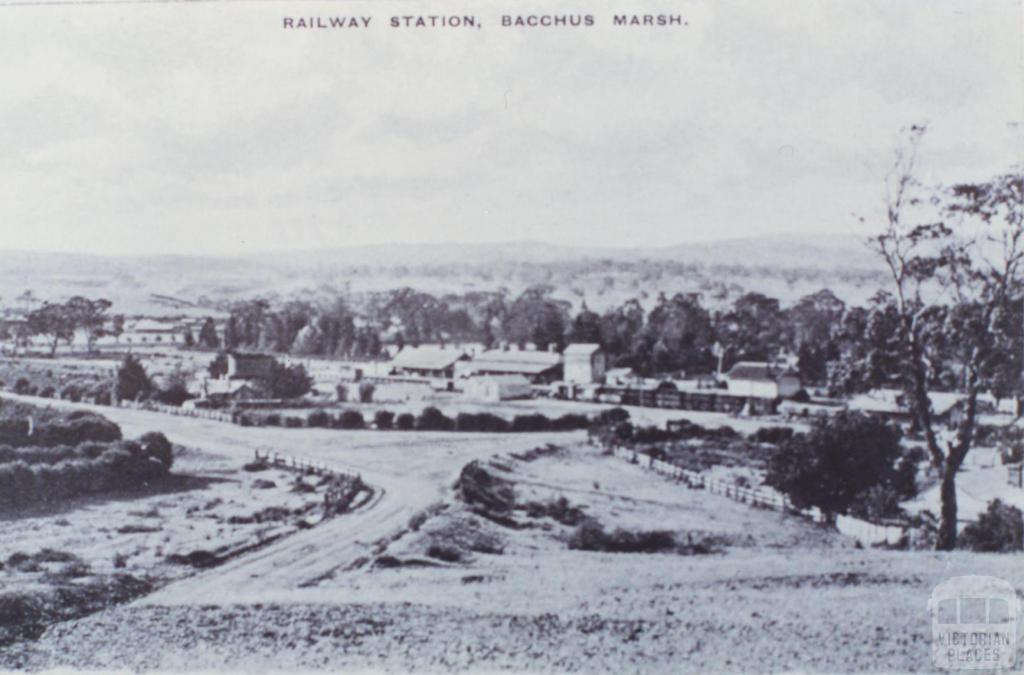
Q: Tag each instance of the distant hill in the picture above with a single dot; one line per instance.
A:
(783, 265)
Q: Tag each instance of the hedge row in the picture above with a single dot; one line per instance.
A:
(75, 391)
(430, 419)
(32, 477)
(24, 425)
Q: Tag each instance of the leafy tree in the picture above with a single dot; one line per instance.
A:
(218, 366)
(753, 328)
(55, 322)
(870, 355)
(289, 381)
(537, 317)
(838, 462)
(132, 380)
(88, 315)
(963, 277)
(1000, 529)
(208, 334)
(813, 325)
(308, 341)
(619, 329)
(586, 327)
(678, 335)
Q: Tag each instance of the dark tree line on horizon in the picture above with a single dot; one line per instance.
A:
(846, 348)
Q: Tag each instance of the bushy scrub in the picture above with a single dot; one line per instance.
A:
(1000, 529)
(351, 419)
(591, 536)
(570, 422)
(405, 422)
(384, 419)
(535, 422)
(47, 456)
(481, 422)
(318, 418)
(432, 419)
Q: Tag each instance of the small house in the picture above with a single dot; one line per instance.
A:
(494, 388)
(761, 380)
(249, 366)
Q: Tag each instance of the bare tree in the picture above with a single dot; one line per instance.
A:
(955, 281)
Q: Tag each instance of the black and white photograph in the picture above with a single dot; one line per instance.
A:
(454, 336)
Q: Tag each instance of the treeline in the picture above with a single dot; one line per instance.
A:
(677, 334)
(48, 457)
(847, 348)
(59, 321)
(429, 419)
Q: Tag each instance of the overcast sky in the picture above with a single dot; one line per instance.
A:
(206, 127)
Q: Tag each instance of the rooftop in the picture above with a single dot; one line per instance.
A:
(582, 349)
(757, 371)
(427, 358)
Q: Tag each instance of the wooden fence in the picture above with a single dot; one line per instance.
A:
(215, 415)
(290, 463)
(868, 534)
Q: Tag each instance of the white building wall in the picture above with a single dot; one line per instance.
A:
(754, 388)
(584, 369)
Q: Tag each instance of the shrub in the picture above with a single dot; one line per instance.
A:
(570, 422)
(432, 419)
(71, 393)
(591, 536)
(351, 419)
(293, 422)
(876, 503)
(534, 422)
(342, 391)
(155, 445)
(560, 510)
(838, 461)
(611, 417)
(774, 435)
(318, 418)
(477, 487)
(22, 386)
(651, 434)
(998, 530)
(480, 422)
(175, 395)
(272, 420)
(132, 380)
(405, 422)
(366, 390)
(289, 381)
(76, 429)
(120, 466)
(256, 465)
(384, 419)
(444, 553)
(48, 392)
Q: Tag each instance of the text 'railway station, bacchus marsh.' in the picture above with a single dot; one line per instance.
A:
(474, 22)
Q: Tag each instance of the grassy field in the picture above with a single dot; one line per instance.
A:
(769, 593)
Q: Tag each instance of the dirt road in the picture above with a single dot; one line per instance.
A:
(408, 470)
